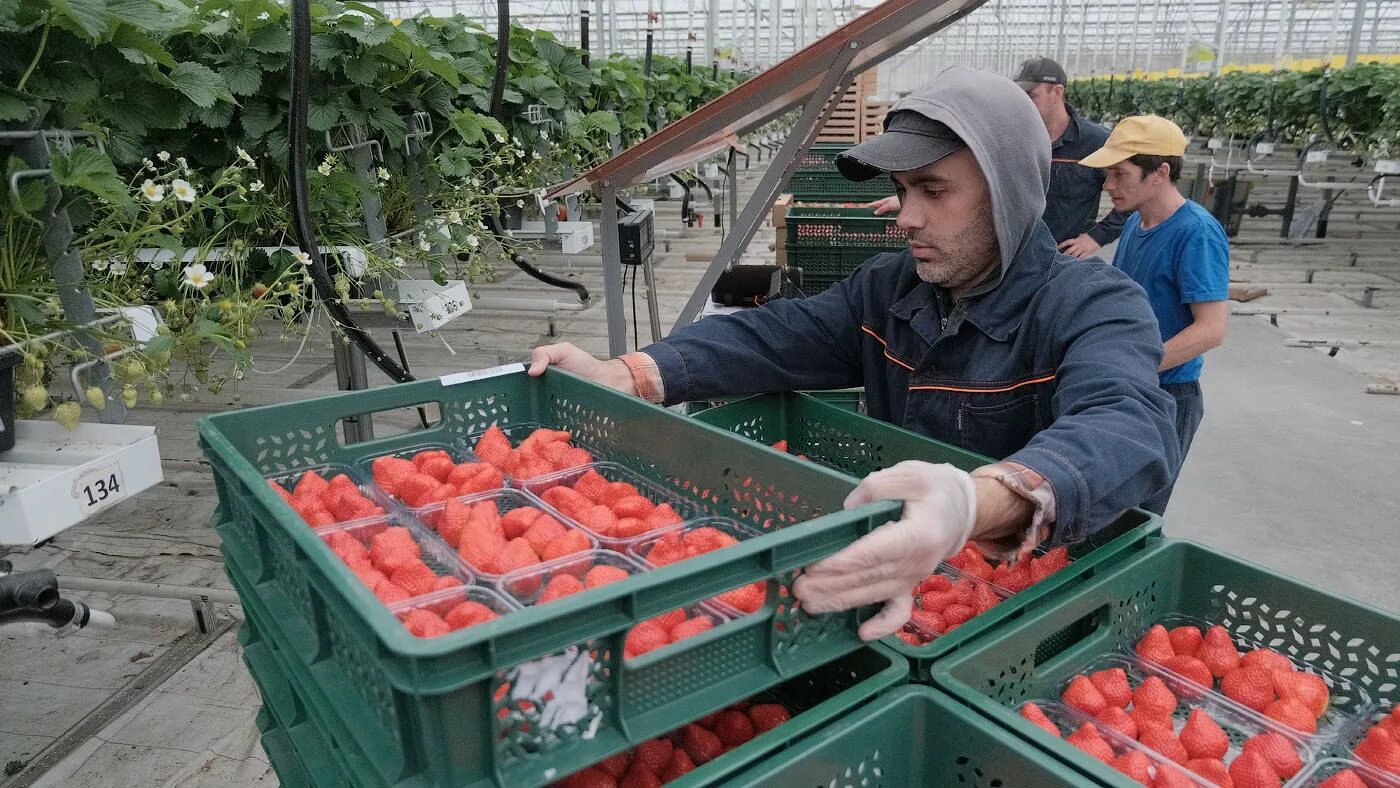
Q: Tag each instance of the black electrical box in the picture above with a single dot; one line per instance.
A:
(635, 233)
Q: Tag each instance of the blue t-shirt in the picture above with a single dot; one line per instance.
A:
(1184, 260)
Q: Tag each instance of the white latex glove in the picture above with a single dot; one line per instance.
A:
(940, 507)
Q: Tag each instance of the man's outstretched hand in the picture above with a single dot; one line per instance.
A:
(886, 205)
(570, 358)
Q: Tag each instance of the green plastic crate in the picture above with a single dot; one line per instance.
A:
(818, 226)
(427, 709)
(858, 445)
(911, 738)
(824, 266)
(821, 157)
(831, 186)
(816, 697)
(852, 400)
(1028, 658)
(299, 753)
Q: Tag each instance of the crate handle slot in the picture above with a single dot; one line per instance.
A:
(1077, 631)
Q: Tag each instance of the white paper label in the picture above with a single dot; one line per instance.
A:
(99, 488)
(1264, 148)
(1317, 156)
(1215, 143)
(564, 678)
(1387, 167)
(481, 374)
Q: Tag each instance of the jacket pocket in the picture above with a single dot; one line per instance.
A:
(998, 429)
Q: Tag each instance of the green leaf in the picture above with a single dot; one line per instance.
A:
(572, 70)
(549, 50)
(218, 28)
(361, 70)
(89, 16)
(199, 84)
(604, 121)
(468, 124)
(90, 171)
(323, 117)
(278, 145)
(160, 343)
(153, 15)
(133, 42)
(216, 117)
(65, 82)
(543, 89)
(259, 117)
(471, 68)
(13, 108)
(367, 31)
(512, 97)
(272, 39)
(389, 123)
(243, 78)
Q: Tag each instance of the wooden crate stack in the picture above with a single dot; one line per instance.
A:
(847, 123)
(780, 209)
(874, 115)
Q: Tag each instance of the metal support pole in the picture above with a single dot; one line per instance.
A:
(612, 272)
(732, 168)
(711, 20)
(653, 309)
(1285, 26)
(1220, 27)
(1152, 36)
(1289, 206)
(1354, 43)
(814, 115)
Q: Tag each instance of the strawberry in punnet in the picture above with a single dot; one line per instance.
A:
(701, 745)
(662, 516)
(746, 599)
(912, 638)
(347, 547)
(1266, 658)
(1088, 739)
(393, 548)
(956, 614)
(644, 637)
(691, 627)
(415, 578)
(1252, 687)
(928, 621)
(599, 518)
(1218, 651)
(640, 777)
(616, 766)
(1212, 769)
(1251, 770)
(985, 598)
(679, 765)
(1203, 737)
(767, 716)
(1346, 778)
(1191, 669)
(1309, 689)
(1036, 715)
(558, 587)
(1013, 577)
(517, 521)
(544, 530)
(1083, 695)
(734, 728)
(1119, 720)
(311, 486)
(565, 544)
(1153, 697)
(493, 446)
(592, 777)
(1156, 645)
(1168, 777)
(1278, 751)
(1293, 714)
(1381, 749)
(603, 574)
(424, 624)
(633, 506)
(518, 554)
(1112, 683)
(451, 520)
(1144, 719)
(445, 582)
(654, 754)
(1185, 639)
(389, 592)
(480, 542)
(1165, 743)
(1135, 764)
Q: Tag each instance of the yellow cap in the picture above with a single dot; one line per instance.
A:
(1150, 134)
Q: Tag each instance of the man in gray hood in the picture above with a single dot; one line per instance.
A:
(980, 334)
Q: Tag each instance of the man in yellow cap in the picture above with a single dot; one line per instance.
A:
(1176, 250)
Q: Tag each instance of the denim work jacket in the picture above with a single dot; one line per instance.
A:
(1055, 369)
(1072, 204)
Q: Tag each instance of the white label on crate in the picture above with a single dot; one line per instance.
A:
(99, 488)
(1317, 156)
(564, 679)
(1387, 167)
(481, 374)
(1215, 143)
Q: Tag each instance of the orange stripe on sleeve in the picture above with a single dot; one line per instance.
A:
(1012, 387)
(882, 341)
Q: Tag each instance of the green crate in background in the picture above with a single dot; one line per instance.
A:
(824, 266)
(858, 445)
(821, 157)
(427, 709)
(830, 185)
(1027, 659)
(822, 225)
(911, 738)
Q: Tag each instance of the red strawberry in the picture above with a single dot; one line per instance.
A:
(567, 501)
(310, 487)
(1088, 739)
(1309, 689)
(1156, 645)
(1218, 651)
(280, 490)
(422, 458)
(1266, 658)
(662, 516)
(599, 518)
(418, 489)
(493, 446)
(1381, 749)
(480, 542)
(517, 554)
(454, 517)
(691, 628)
(653, 754)
(734, 728)
(1278, 751)
(346, 546)
(767, 716)
(591, 484)
(705, 539)
(1050, 563)
(746, 599)
(415, 578)
(679, 765)
(1168, 777)
(615, 766)
(644, 637)
(985, 598)
(628, 527)
(1213, 769)
(670, 619)
(633, 506)
(956, 614)
(616, 491)
(1135, 764)
(1112, 683)
(517, 521)
(1252, 687)
(1185, 639)
(1153, 697)
(1144, 719)
(640, 777)
(1034, 713)
(438, 467)
(1191, 669)
(935, 582)
(701, 745)
(1251, 770)
(912, 638)
(469, 614)
(393, 548)
(1118, 720)
(445, 582)
(928, 621)
(592, 777)
(567, 543)
(1292, 713)
(319, 517)
(389, 593)
(1346, 778)
(1164, 742)
(559, 586)
(424, 624)
(781, 445)
(1015, 578)
(370, 577)
(1083, 695)
(603, 574)
(1203, 737)
(544, 530)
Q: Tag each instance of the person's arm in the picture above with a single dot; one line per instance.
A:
(1113, 441)
(1109, 228)
(1207, 331)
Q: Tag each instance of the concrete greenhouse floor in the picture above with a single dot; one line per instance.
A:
(1294, 468)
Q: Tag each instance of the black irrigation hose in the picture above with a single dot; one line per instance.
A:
(498, 90)
(302, 225)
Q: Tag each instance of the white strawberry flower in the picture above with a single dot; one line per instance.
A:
(255, 186)
(147, 164)
(399, 262)
(325, 167)
(152, 191)
(184, 192)
(101, 265)
(473, 241)
(303, 258)
(163, 155)
(382, 173)
(244, 156)
(117, 269)
(424, 244)
(197, 276)
(520, 203)
(454, 217)
(184, 165)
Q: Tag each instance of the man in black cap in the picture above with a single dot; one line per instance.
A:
(1072, 204)
(979, 334)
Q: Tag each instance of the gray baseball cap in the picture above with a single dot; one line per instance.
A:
(911, 140)
(1039, 71)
